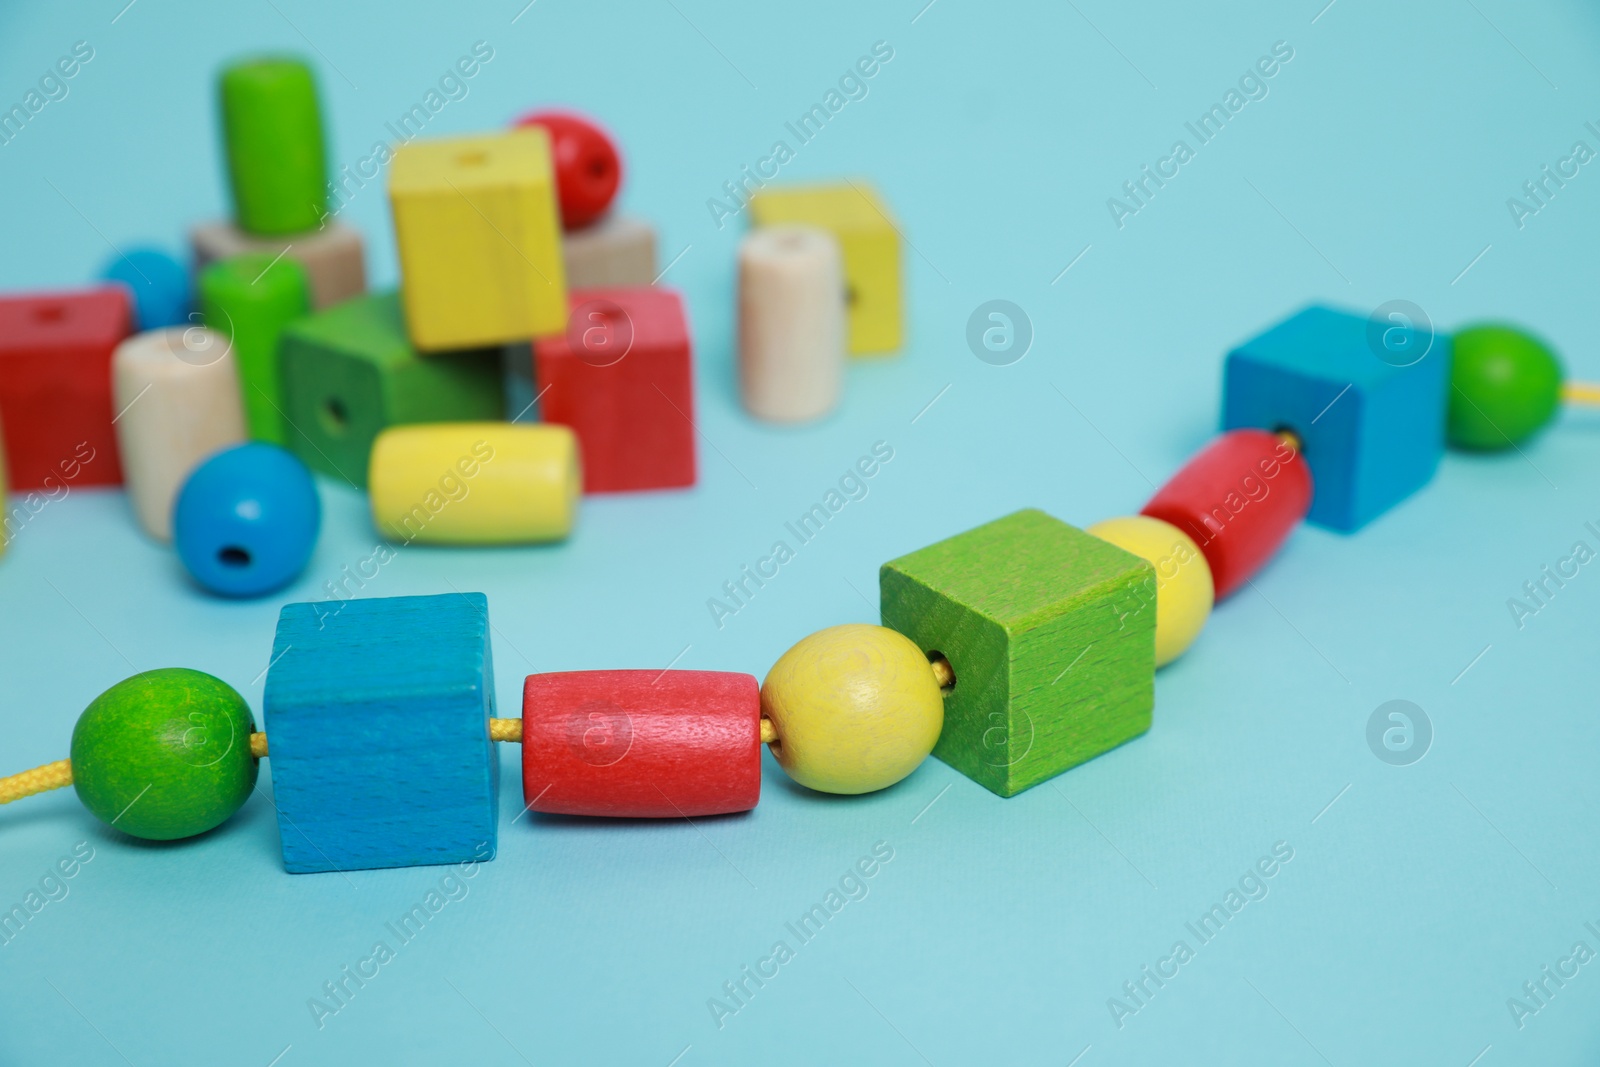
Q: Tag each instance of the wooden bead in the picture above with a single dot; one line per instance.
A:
(1370, 421)
(162, 293)
(856, 708)
(1505, 385)
(55, 385)
(333, 256)
(619, 250)
(178, 392)
(245, 522)
(588, 167)
(641, 744)
(349, 372)
(250, 298)
(1238, 499)
(855, 214)
(791, 323)
(621, 376)
(479, 239)
(1183, 578)
(480, 483)
(272, 129)
(378, 711)
(1050, 638)
(164, 754)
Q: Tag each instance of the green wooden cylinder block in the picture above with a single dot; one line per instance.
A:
(251, 298)
(273, 131)
(164, 754)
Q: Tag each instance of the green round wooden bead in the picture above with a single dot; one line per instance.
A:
(164, 754)
(1505, 384)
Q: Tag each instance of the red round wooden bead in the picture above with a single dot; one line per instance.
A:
(587, 164)
(641, 744)
(1238, 499)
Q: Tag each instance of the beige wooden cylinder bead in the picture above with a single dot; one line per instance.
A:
(177, 398)
(791, 322)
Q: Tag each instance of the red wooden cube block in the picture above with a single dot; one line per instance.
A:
(55, 385)
(641, 744)
(621, 378)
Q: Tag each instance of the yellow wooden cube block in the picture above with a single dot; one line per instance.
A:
(856, 215)
(479, 239)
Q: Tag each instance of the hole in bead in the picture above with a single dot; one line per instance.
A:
(1290, 437)
(233, 556)
(851, 296)
(943, 673)
(48, 313)
(335, 417)
(599, 169)
(472, 159)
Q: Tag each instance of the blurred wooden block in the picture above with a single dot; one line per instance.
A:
(55, 385)
(791, 323)
(618, 250)
(857, 216)
(349, 372)
(333, 256)
(178, 392)
(479, 239)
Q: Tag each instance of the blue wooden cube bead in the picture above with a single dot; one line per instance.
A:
(378, 713)
(1371, 429)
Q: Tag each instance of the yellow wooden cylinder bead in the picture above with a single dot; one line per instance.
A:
(856, 708)
(1184, 592)
(474, 483)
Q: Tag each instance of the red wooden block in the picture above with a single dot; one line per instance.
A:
(1238, 498)
(621, 378)
(55, 385)
(641, 744)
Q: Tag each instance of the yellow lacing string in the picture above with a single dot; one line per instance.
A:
(1580, 393)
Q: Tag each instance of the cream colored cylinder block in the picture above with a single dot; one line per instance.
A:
(791, 323)
(177, 397)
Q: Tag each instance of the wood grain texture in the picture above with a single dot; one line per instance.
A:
(350, 372)
(791, 323)
(479, 239)
(334, 257)
(855, 708)
(855, 214)
(178, 392)
(641, 744)
(618, 250)
(1050, 633)
(378, 711)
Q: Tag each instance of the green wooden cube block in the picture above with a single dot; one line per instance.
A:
(349, 373)
(1051, 634)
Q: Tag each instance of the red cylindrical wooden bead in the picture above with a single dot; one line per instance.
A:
(1238, 499)
(641, 744)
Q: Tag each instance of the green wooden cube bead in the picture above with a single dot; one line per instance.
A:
(250, 298)
(164, 754)
(1050, 633)
(349, 373)
(273, 131)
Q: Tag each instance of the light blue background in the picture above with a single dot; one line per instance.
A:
(1377, 168)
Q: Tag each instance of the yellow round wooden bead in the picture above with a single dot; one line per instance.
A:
(856, 708)
(1183, 577)
(470, 483)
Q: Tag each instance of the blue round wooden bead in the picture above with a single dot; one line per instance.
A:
(162, 295)
(246, 520)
